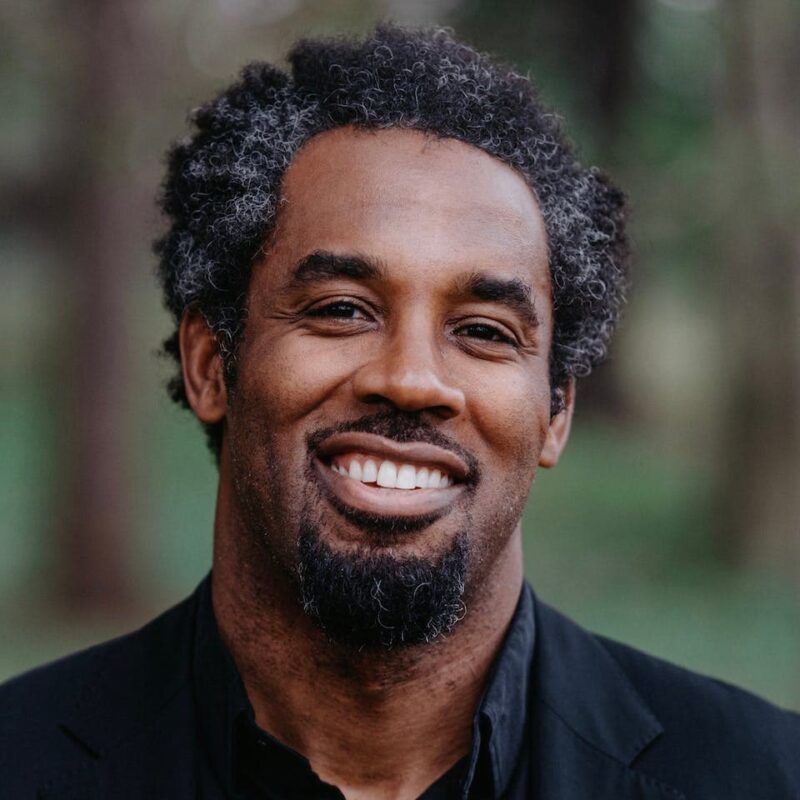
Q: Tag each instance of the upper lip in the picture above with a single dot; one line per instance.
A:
(400, 452)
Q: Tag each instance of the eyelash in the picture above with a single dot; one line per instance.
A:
(328, 311)
(502, 338)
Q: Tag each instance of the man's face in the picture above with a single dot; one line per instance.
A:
(392, 399)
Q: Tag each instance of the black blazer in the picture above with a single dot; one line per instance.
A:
(609, 723)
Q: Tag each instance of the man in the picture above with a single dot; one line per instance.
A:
(386, 271)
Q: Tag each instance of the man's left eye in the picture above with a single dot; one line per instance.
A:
(487, 333)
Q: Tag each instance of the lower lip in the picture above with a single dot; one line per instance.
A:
(388, 502)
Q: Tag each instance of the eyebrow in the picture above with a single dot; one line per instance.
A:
(322, 265)
(513, 293)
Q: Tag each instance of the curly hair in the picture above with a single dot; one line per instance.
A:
(222, 188)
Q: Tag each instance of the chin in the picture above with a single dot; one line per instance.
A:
(382, 594)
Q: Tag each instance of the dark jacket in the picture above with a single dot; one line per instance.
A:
(609, 723)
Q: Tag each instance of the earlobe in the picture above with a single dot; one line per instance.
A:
(201, 363)
(558, 432)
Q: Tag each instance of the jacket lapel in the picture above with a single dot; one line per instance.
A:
(133, 721)
(588, 722)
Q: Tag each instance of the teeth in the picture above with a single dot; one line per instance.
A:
(387, 475)
(370, 472)
(391, 475)
(406, 477)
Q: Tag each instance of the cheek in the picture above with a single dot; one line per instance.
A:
(289, 377)
(282, 385)
(512, 414)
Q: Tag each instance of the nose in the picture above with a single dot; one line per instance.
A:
(407, 372)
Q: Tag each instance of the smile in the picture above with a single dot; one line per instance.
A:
(380, 476)
(389, 474)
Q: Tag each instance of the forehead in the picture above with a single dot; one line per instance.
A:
(412, 200)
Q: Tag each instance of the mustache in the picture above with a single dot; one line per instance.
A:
(400, 426)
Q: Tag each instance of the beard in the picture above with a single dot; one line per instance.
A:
(371, 600)
(369, 596)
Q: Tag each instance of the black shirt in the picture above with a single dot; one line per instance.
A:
(241, 761)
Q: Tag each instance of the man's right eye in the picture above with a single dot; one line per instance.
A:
(338, 310)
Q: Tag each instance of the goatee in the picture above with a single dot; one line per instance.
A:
(368, 599)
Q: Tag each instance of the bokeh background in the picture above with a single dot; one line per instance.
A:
(672, 522)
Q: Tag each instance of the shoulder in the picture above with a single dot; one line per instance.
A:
(99, 692)
(660, 722)
(59, 686)
(714, 734)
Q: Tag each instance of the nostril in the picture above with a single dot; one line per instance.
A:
(384, 382)
(377, 399)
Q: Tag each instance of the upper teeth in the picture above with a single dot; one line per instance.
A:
(391, 475)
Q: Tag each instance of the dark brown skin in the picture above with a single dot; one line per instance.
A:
(382, 724)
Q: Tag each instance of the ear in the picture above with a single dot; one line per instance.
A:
(558, 432)
(202, 368)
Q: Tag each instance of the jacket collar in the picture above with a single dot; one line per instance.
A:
(589, 722)
(132, 680)
(135, 697)
(579, 680)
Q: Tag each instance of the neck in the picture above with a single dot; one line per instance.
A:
(378, 724)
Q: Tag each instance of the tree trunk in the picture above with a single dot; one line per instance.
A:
(759, 135)
(94, 194)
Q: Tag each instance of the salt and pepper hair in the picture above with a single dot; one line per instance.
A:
(222, 188)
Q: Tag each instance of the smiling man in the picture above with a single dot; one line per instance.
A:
(386, 271)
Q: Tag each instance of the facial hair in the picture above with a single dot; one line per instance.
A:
(370, 600)
(370, 597)
(367, 596)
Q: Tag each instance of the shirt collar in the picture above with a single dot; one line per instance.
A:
(500, 721)
(498, 726)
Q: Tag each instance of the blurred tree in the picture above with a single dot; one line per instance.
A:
(586, 48)
(759, 204)
(95, 526)
(94, 220)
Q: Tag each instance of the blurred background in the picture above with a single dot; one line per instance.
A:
(673, 521)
